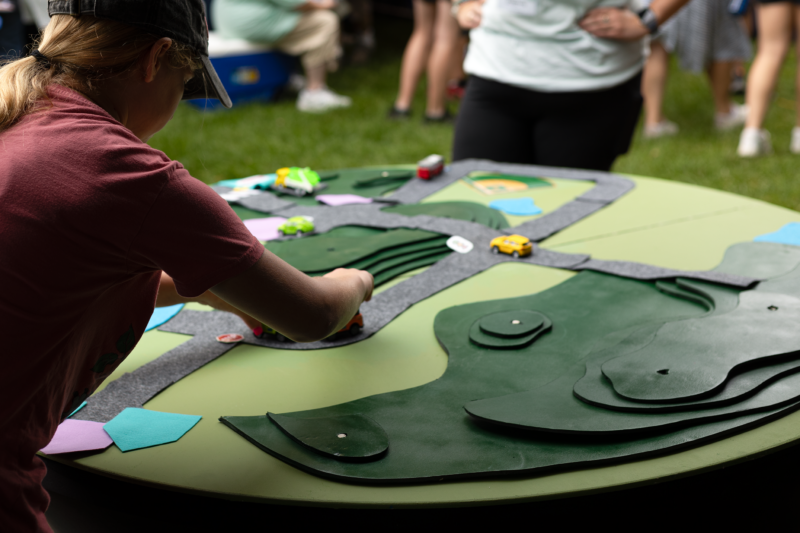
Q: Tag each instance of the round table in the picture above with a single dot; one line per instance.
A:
(660, 222)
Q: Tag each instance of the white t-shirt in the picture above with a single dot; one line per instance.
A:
(537, 44)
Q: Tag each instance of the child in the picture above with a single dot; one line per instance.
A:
(97, 228)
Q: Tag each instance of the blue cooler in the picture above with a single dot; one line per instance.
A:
(250, 72)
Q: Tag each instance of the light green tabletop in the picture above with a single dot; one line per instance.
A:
(660, 222)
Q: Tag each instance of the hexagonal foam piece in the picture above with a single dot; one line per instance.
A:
(136, 428)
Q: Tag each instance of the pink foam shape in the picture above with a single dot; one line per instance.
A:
(342, 199)
(265, 229)
(78, 436)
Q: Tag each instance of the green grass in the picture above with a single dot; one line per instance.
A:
(259, 138)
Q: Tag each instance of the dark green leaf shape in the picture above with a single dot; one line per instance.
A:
(392, 273)
(104, 361)
(127, 341)
(488, 332)
(348, 437)
(694, 357)
(432, 438)
(469, 211)
(336, 248)
(512, 323)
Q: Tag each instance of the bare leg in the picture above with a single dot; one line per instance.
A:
(416, 54)
(457, 65)
(654, 80)
(315, 77)
(774, 35)
(719, 74)
(445, 38)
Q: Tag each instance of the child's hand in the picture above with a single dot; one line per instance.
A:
(362, 276)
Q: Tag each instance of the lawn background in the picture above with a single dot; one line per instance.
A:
(259, 138)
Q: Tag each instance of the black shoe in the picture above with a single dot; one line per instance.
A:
(399, 114)
(444, 118)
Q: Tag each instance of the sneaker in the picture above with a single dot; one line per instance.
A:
(733, 119)
(664, 128)
(794, 146)
(399, 114)
(754, 142)
(321, 100)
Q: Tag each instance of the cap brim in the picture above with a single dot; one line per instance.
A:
(206, 84)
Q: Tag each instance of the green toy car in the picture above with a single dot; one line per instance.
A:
(297, 226)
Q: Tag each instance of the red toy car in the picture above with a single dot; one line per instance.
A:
(431, 166)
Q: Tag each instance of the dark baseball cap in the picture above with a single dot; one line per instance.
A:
(181, 20)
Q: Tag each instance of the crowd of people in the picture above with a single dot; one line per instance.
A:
(546, 64)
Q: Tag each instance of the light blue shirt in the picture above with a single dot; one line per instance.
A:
(537, 44)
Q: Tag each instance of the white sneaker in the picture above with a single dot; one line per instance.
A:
(321, 100)
(794, 146)
(733, 119)
(662, 129)
(754, 142)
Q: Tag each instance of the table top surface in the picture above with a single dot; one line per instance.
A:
(660, 222)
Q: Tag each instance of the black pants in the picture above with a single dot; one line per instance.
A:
(575, 129)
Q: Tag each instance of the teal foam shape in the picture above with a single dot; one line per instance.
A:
(136, 428)
(161, 315)
(516, 206)
(788, 234)
(81, 406)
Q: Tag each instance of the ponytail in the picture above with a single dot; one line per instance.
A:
(79, 52)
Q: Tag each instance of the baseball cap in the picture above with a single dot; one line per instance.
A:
(181, 20)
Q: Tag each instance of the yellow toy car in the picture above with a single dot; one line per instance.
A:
(515, 245)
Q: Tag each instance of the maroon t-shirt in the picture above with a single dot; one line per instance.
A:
(89, 217)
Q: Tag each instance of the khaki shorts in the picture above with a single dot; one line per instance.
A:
(315, 39)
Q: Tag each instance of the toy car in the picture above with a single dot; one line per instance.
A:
(352, 329)
(431, 166)
(297, 181)
(515, 245)
(297, 226)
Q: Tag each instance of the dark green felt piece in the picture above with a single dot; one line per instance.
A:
(394, 262)
(497, 331)
(353, 437)
(553, 408)
(693, 357)
(470, 211)
(672, 288)
(336, 249)
(246, 214)
(512, 323)
(432, 437)
(392, 273)
(433, 244)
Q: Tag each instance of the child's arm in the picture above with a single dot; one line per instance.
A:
(302, 308)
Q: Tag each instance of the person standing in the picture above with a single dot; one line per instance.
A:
(432, 48)
(774, 21)
(553, 83)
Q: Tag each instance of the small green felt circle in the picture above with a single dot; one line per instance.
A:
(512, 324)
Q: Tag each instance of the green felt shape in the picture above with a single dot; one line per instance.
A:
(693, 357)
(390, 264)
(336, 249)
(496, 331)
(512, 323)
(246, 214)
(348, 437)
(433, 244)
(553, 408)
(749, 257)
(470, 211)
(392, 273)
(433, 438)
(671, 288)
(136, 428)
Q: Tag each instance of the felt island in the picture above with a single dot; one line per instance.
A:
(636, 329)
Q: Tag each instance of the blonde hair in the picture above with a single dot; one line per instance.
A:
(81, 51)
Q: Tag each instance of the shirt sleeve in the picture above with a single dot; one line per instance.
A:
(193, 235)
